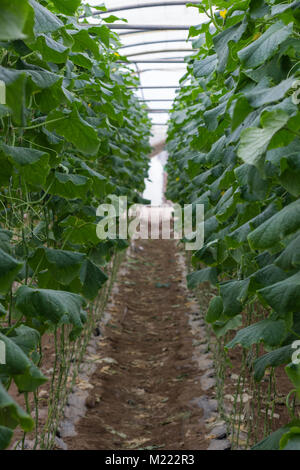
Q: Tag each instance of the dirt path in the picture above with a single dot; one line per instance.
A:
(144, 387)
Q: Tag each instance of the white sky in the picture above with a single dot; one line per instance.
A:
(159, 74)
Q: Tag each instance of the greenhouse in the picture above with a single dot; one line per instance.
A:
(150, 228)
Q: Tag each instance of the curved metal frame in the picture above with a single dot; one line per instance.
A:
(150, 27)
(159, 51)
(127, 29)
(150, 61)
(137, 44)
(145, 5)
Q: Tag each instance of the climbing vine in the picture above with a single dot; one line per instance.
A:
(234, 143)
(72, 133)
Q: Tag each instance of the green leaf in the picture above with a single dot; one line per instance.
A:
(25, 374)
(283, 296)
(254, 141)
(204, 275)
(222, 40)
(50, 49)
(274, 358)
(83, 41)
(291, 440)
(6, 435)
(276, 228)
(69, 186)
(272, 441)
(92, 279)
(32, 165)
(26, 338)
(12, 19)
(220, 327)
(204, 67)
(264, 94)
(54, 306)
(63, 266)
(5, 238)
(68, 7)
(268, 331)
(266, 46)
(253, 186)
(290, 257)
(75, 130)
(11, 414)
(80, 232)
(15, 92)
(44, 21)
(99, 181)
(234, 294)
(215, 309)
(9, 268)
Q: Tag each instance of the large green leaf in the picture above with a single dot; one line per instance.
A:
(6, 435)
(80, 231)
(254, 141)
(264, 94)
(215, 309)
(276, 228)
(205, 67)
(272, 441)
(274, 358)
(92, 279)
(32, 165)
(63, 266)
(12, 19)
(234, 294)
(290, 257)
(9, 268)
(75, 130)
(268, 331)
(69, 186)
(25, 374)
(26, 338)
(283, 296)
(222, 40)
(203, 275)
(44, 21)
(266, 45)
(15, 92)
(11, 414)
(54, 306)
(68, 7)
(50, 49)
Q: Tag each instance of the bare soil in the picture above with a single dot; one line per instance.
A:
(142, 393)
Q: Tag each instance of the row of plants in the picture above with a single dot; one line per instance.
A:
(234, 146)
(72, 133)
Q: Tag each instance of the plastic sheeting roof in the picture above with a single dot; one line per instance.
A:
(165, 45)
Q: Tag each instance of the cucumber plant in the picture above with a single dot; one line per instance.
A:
(72, 132)
(234, 146)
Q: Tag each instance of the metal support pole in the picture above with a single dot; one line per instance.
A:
(159, 51)
(136, 6)
(150, 27)
(154, 87)
(158, 61)
(155, 42)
